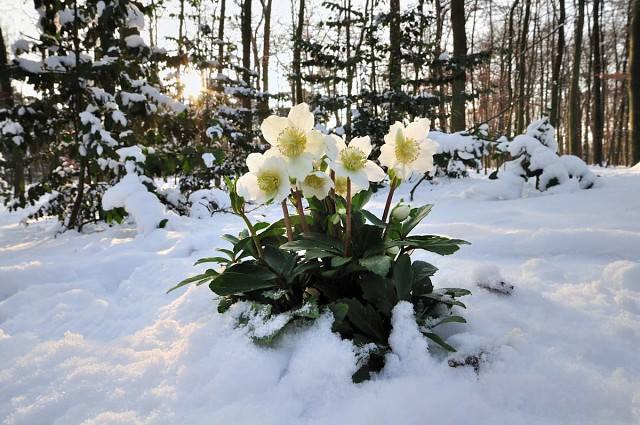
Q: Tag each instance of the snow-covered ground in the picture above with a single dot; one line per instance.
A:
(88, 335)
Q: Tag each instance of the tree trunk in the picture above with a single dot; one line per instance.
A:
(395, 64)
(634, 83)
(556, 93)
(458, 98)
(246, 60)
(509, 81)
(266, 45)
(597, 125)
(521, 67)
(221, 35)
(573, 122)
(297, 72)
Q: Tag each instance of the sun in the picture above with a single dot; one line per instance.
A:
(191, 81)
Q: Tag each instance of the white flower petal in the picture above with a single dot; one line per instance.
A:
(316, 144)
(247, 187)
(362, 143)
(374, 172)
(390, 137)
(300, 166)
(387, 155)
(254, 161)
(359, 178)
(301, 117)
(418, 129)
(271, 128)
(423, 163)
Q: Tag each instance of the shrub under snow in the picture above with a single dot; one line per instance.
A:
(535, 156)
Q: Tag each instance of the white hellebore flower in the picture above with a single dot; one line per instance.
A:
(341, 187)
(267, 179)
(316, 184)
(407, 149)
(294, 140)
(351, 161)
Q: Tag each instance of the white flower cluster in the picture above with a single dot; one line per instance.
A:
(301, 158)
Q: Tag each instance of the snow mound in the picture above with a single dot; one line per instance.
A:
(488, 276)
(205, 201)
(130, 194)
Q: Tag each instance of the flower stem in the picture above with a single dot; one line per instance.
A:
(252, 231)
(287, 220)
(300, 208)
(387, 206)
(347, 239)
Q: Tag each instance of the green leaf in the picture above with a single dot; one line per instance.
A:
(457, 292)
(315, 241)
(360, 199)
(281, 262)
(339, 261)
(438, 244)
(209, 274)
(403, 277)
(243, 277)
(443, 299)
(438, 340)
(415, 217)
(450, 319)
(212, 260)
(380, 292)
(225, 303)
(339, 311)
(380, 264)
(373, 219)
(163, 223)
(422, 272)
(365, 319)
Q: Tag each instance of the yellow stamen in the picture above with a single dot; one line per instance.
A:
(407, 150)
(314, 181)
(353, 159)
(292, 142)
(268, 181)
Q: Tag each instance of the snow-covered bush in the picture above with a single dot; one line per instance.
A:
(334, 255)
(534, 156)
(458, 152)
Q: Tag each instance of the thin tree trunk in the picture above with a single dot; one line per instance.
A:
(221, 35)
(297, 72)
(458, 97)
(556, 93)
(521, 67)
(597, 126)
(246, 61)
(634, 83)
(573, 122)
(266, 50)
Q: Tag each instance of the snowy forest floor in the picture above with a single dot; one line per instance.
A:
(88, 335)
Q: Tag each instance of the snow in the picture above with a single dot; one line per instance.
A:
(134, 40)
(208, 159)
(142, 205)
(88, 335)
(131, 152)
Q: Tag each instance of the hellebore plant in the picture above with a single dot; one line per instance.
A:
(332, 255)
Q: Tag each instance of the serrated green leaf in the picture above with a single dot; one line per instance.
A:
(415, 217)
(373, 219)
(380, 292)
(438, 340)
(212, 260)
(208, 274)
(243, 277)
(339, 261)
(380, 264)
(403, 277)
(450, 319)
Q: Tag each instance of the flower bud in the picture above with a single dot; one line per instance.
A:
(401, 212)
